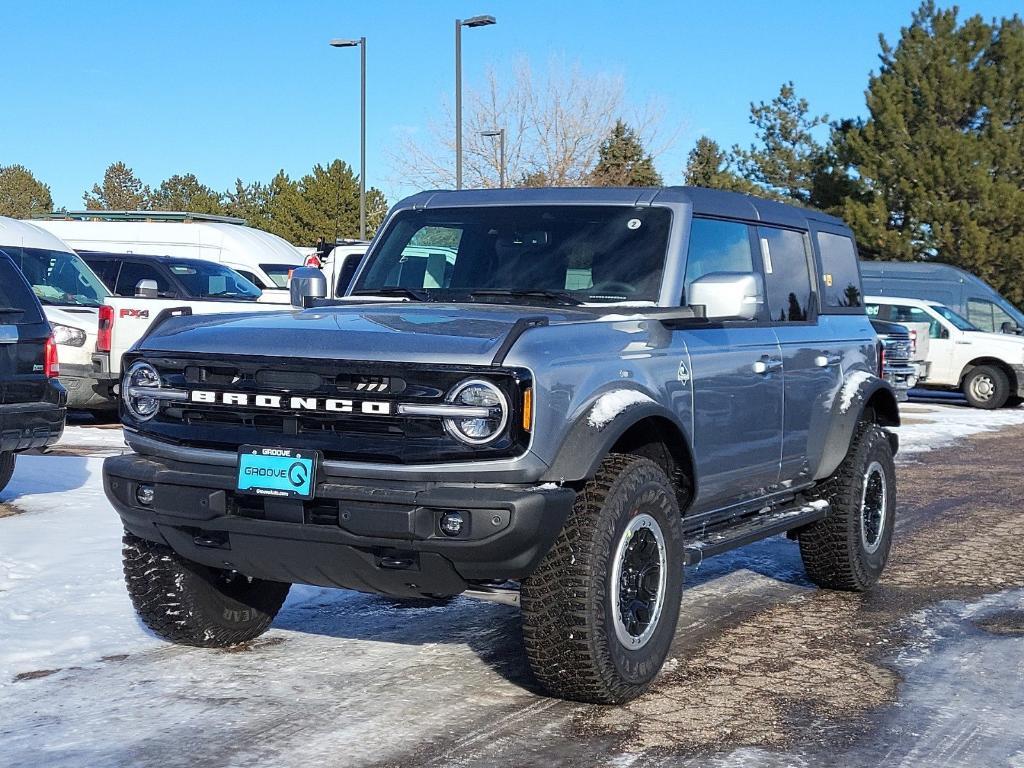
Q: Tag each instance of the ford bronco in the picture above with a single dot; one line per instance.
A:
(558, 398)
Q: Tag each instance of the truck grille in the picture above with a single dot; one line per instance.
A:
(376, 433)
(897, 347)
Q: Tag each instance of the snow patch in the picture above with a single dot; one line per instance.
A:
(611, 404)
(850, 387)
(927, 427)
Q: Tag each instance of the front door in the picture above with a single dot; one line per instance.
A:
(737, 380)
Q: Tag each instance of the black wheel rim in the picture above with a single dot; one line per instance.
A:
(873, 508)
(638, 581)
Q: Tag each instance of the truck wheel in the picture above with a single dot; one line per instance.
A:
(849, 548)
(192, 604)
(600, 611)
(987, 387)
(7, 462)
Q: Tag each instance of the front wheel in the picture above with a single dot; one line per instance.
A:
(191, 604)
(987, 386)
(600, 611)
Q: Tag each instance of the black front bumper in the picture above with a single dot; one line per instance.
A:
(368, 535)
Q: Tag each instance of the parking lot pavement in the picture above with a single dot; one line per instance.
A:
(766, 670)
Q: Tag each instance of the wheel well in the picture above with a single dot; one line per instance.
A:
(882, 408)
(661, 441)
(993, 361)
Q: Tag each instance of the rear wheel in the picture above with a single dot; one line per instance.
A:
(600, 612)
(7, 461)
(849, 548)
(986, 386)
(191, 604)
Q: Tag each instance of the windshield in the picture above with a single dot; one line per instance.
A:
(552, 253)
(960, 322)
(58, 277)
(279, 273)
(209, 280)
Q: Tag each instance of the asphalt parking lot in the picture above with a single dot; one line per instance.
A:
(766, 670)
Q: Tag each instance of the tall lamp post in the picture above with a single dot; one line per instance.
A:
(500, 134)
(475, 21)
(361, 43)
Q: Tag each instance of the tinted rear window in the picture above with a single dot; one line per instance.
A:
(18, 305)
(840, 281)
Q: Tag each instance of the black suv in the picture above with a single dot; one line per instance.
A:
(170, 277)
(33, 401)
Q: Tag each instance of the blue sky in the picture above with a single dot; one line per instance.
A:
(242, 89)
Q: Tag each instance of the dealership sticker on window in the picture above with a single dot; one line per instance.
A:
(633, 224)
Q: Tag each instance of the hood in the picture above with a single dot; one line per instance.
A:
(446, 334)
(85, 318)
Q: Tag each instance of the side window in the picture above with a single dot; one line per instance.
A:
(106, 270)
(787, 274)
(840, 283)
(902, 314)
(981, 313)
(132, 272)
(716, 246)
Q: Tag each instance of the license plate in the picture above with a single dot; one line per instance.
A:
(280, 472)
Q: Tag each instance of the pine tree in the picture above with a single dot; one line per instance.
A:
(783, 161)
(186, 193)
(941, 154)
(707, 165)
(22, 195)
(121, 191)
(622, 161)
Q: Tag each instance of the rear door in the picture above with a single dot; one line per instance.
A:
(23, 335)
(737, 379)
(811, 355)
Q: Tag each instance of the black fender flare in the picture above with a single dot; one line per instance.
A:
(871, 393)
(586, 443)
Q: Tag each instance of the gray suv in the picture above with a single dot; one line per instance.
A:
(556, 398)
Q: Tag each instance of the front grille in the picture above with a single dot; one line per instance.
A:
(353, 435)
(898, 347)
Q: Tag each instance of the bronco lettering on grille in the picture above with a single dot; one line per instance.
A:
(329, 404)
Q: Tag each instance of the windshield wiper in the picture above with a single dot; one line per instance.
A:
(563, 297)
(394, 290)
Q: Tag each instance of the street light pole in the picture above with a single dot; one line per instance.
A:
(500, 133)
(361, 43)
(475, 21)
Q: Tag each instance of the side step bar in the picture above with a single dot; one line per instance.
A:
(732, 534)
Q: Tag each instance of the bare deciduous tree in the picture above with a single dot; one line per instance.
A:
(554, 123)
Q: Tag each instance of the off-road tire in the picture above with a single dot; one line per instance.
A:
(833, 549)
(994, 377)
(568, 620)
(191, 604)
(7, 461)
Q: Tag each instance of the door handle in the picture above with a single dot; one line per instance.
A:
(825, 359)
(766, 365)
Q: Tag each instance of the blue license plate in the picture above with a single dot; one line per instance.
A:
(279, 472)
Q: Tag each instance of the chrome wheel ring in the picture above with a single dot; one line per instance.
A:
(638, 581)
(874, 507)
(982, 388)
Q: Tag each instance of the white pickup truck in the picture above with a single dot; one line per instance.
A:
(987, 367)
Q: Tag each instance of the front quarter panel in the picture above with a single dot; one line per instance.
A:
(593, 381)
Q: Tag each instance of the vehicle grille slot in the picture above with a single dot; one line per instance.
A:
(208, 374)
(289, 381)
(370, 384)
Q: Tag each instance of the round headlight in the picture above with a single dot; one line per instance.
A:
(140, 377)
(490, 412)
(68, 336)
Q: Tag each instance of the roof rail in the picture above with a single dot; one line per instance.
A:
(181, 216)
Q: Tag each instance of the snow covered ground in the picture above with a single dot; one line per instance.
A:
(64, 614)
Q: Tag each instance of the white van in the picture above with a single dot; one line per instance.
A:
(263, 258)
(71, 296)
